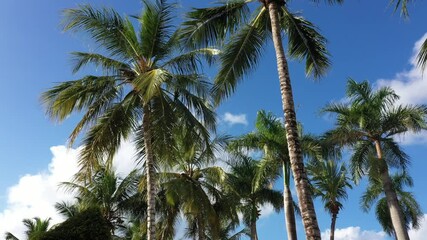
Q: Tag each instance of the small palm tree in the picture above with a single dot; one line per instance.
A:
(368, 123)
(269, 137)
(147, 83)
(412, 212)
(330, 183)
(112, 195)
(194, 185)
(36, 227)
(251, 190)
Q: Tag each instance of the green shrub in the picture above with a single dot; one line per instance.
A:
(87, 225)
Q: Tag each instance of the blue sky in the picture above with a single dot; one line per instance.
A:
(366, 41)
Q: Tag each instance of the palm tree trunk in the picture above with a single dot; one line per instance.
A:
(151, 171)
(392, 201)
(201, 228)
(305, 200)
(334, 219)
(288, 203)
(254, 234)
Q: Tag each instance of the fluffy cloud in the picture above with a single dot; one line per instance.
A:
(411, 86)
(232, 119)
(355, 233)
(35, 194)
(421, 233)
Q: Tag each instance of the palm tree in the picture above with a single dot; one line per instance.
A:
(411, 209)
(245, 37)
(252, 191)
(112, 195)
(147, 83)
(368, 123)
(269, 137)
(329, 181)
(36, 227)
(194, 185)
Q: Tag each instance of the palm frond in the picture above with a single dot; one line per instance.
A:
(156, 28)
(305, 42)
(206, 27)
(105, 26)
(108, 65)
(240, 55)
(422, 56)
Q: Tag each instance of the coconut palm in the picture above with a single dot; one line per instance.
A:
(368, 123)
(194, 185)
(269, 137)
(244, 38)
(147, 83)
(411, 209)
(252, 191)
(330, 183)
(36, 227)
(112, 195)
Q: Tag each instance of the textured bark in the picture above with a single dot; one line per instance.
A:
(391, 196)
(151, 171)
(288, 203)
(334, 219)
(305, 200)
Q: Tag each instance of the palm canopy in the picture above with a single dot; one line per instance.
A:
(36, 227)
(114, 196)
(144, 71)
(411, 209)
(330, 183)
(374, 116)
(250, 190)
(245, 33)
(193, 184)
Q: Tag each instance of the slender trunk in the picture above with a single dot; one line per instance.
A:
(334, 219)
(254, 234)
(392, 201)
(288, 203)
(151, 171)
(308, 213)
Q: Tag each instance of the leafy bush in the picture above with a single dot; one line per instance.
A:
(87, 225)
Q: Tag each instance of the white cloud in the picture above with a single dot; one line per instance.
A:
(35, 194)
(421, 233)
(411, 86)
(355, 233)
(232, 119)
(266, 210)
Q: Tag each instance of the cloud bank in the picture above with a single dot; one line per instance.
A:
(411, 86)
(35, 194)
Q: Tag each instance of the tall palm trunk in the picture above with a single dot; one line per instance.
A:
(151, 171)
(288, 203)
(392, 202)
(333, 221)
(300, 177)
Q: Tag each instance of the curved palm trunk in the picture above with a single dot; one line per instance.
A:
(392, 202)
(288, 203)
(301, 182)
(151, 182)
(334, 219)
